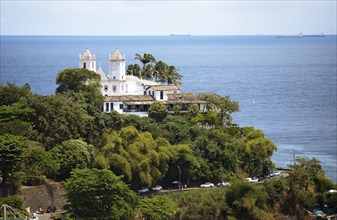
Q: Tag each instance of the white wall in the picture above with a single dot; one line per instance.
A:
(116, 107)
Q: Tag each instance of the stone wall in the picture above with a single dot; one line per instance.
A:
(44, 196)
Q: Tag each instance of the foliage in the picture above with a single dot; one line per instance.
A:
(38, 164)
(72, 154)
(81, 82)
(157, 208)
(135, 155)
(12, 150)
(247, 201)
(11, 94)
(158, 111)
(198, 204)
(183, 164)
(106, 196)
(304, 171)
(56, 118)
(146, 58)
(13, 201)
(176, 130)
(275, 189)
(134, 70)
(159, 71)
(224, 105)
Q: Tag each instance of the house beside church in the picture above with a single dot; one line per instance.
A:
(131, 95)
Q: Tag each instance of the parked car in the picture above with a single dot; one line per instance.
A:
(252, 180)
(143, 190)
(207, 185)
(157, 188)
(223, 183)
(261, 177)
(275, 173)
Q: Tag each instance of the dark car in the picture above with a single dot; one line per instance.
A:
(51, 209)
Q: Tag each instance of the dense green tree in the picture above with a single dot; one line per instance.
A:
(77, 80)
(12, 113)
(11, 94)
(56, 118)
(175, 129)
(83, 81)
(135, 155)
(12, 149)
(157, 208)
(183, 164)
(305, 171)
(37, 164)
(224, 105)
(258, 153)
(247, 201)
(158, 111)
(275, 189)
(106, 195)
(72, 154)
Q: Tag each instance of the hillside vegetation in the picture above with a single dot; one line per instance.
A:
(107, 157)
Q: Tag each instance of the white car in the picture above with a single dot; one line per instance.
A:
(223, 183)
(275, 173)
(252, 180)
(207, 185)
(157, 188)
(143, 190)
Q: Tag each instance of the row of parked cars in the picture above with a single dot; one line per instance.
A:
(221, 184)
(262, 177)
(209, 184)
(155, 188)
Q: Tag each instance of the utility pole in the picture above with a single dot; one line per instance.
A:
(5, 214)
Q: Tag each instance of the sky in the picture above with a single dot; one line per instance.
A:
(164, 17)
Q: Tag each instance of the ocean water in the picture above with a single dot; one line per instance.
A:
(285, 87)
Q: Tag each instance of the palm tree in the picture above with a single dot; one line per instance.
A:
(160, 72)
(147, 72)
(134, 70)
(146, 58)
(173, 77)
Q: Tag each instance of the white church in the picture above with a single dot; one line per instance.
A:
(131, 95)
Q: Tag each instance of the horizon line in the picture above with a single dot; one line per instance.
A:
(135, 35)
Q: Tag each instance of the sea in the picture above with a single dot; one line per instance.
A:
(285, 87)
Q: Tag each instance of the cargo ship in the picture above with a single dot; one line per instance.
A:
(300, 35)
(315, 35)
(180, 35)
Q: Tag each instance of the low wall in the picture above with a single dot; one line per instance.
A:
(44, 196)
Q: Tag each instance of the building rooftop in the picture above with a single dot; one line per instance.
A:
(117, 55)
(164, 87)
(87, 55)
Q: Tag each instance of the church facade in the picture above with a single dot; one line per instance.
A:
(131, 95)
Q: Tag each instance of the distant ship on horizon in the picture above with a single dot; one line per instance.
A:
(315, 35)
(180, 35)
(301, 35)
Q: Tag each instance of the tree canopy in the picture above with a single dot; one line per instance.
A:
(99, 194)
(152, 69)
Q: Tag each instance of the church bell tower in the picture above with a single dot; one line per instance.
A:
(87, 61)
(117, 66)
